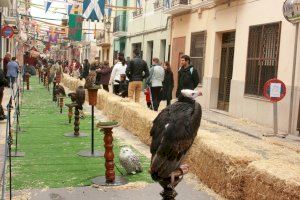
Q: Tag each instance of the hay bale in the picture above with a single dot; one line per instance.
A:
(220, 163)
(272, 179)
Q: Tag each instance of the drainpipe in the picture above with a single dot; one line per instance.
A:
(293, 79)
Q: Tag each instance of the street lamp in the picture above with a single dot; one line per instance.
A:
(107, 24)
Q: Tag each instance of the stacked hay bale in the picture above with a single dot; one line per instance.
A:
(272, 179)
(220, 163)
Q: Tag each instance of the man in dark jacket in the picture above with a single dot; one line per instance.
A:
(187, 75)
(136, 71)
(86, 68)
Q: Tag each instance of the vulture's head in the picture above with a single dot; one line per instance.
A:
(192, 94)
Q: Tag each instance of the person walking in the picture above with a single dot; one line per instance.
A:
(155, 80)
(118, 69)
(86, 68)
(6, 60)
(104, 72)
(136, 71)
(168, 83)
(3, 83)
(12, 71)
(187, 75)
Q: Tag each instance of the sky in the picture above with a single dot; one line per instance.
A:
(40, 12)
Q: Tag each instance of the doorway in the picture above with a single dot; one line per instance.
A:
(226, 68)
(178, 49)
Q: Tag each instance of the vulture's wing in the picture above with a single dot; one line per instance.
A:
(176, 140)
(158, 128)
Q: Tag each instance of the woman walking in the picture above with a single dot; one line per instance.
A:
(168, 83)
(104, 72)
(119, 68)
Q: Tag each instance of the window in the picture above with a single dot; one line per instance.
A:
(198, 44)
(262, 58)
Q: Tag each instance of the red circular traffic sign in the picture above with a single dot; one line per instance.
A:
(7, 32)
(274, 90)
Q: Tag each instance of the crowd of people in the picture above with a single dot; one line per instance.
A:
(126, 78)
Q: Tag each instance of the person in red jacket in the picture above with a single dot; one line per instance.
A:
(147, 93)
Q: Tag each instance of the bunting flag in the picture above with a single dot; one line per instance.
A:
(47, 5)
(69, 8)
(53, 36)
(138, 3)
(109, 10)
(93, 9)
(75, 27)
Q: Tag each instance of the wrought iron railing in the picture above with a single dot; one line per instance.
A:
(169, 3)
(137, 13)
(158, 4)
(120, 23)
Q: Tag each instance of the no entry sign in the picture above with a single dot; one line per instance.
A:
(7, 32)
(274, 90)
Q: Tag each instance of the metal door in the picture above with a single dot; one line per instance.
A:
(227, 57)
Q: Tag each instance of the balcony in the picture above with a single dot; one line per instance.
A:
(137, 13)
(5, 3)
(176, 7)
(206, 4)
(11, 17)
(119, 29)
(101, 41)
(158, 4)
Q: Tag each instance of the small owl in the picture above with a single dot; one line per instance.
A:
(90, 79)
(129, 161)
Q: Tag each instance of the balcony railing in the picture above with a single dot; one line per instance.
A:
(137, 13)
(158, 4)
(169, 3)
(120, 26)
(175, 7)
(207, 4)
(120, 23)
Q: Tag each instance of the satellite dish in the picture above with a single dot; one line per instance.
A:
(291, 11)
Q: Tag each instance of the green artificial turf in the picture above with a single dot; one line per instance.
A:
(51, 159)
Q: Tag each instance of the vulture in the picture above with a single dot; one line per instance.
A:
(173, 133)
(59, 90)
(78, 97)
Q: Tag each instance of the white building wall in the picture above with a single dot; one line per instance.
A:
(239, 16)
(152, 25)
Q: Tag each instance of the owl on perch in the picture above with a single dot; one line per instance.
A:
(129, 161)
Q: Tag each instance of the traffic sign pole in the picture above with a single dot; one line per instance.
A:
(274, 90)
(275, 121)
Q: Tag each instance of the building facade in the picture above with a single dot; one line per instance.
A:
(148, 31)
(120, 23)
(237, 46)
